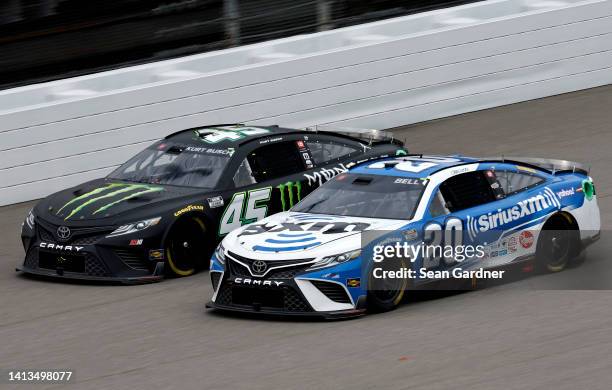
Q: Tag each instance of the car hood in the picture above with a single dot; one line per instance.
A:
(105, 198)
(292, 235)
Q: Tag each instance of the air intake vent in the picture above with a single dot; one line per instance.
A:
(132, 259)
(333, 291)
(214, 278)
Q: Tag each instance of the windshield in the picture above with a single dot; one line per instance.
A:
(356, 195)
(179, 165)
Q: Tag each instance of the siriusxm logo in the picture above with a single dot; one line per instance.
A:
(543, 201)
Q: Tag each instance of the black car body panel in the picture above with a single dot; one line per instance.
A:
(70, 233)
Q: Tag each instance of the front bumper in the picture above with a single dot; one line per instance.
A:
(336, 315)
(90, 256)
(290, 291)
(50, 274)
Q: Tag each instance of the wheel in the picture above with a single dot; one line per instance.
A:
(186, 247)
(557, 244)
(386, 294)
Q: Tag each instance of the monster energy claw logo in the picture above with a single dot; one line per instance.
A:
(290, 185)
(115, 192)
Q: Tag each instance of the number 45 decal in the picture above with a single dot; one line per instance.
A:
(244, 208)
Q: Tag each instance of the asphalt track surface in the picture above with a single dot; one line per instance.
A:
(514, 336)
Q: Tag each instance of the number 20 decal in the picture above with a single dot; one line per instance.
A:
(434, 236)
(244, 208)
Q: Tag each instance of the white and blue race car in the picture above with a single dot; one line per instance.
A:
(318, 258)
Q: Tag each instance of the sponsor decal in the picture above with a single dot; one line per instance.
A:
(258, 282)
(289, 199)
(353, 282)
(410, 234)
(563, 193)
(325, 227)
(401, 152)
(545, 200)
(215, 135)
(526, 239)
(412, 182)
(332, 275)
(511, 245)
(321, 176)
(156, 254)
(188, 209)
(68, 248)
(216, 201)
(300, 144)
(136, 242)
(114, 192)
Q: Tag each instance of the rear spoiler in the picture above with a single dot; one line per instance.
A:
(370, 136)
(551, 166)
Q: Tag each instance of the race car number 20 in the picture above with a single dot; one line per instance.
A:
(244, 208)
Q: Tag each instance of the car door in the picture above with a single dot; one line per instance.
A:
(270, 177)
(453, 208)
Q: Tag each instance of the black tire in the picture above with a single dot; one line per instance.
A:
(557, 244)
(186, 247)
(386, 294)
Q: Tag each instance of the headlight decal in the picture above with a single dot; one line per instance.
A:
(330, 261)
(135, 227)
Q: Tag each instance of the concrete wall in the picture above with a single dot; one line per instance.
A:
(377, 75)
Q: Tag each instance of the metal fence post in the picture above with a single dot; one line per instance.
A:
(324, 15)
(231, 16)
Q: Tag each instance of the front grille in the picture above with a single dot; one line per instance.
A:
(45, 235)
(132, 259)
(78, 263)
(214, 278)
(289, 267)
(79, 236)
(286, 298)
(333, 291)
(87, 240)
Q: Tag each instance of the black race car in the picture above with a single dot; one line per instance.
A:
(163, 211)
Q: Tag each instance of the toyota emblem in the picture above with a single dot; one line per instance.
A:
(259, 266)
(63, 232)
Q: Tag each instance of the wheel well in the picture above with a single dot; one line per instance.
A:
(566, 218)
(200, 216)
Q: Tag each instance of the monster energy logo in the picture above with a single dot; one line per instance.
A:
(290, 185)
(111, 191)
